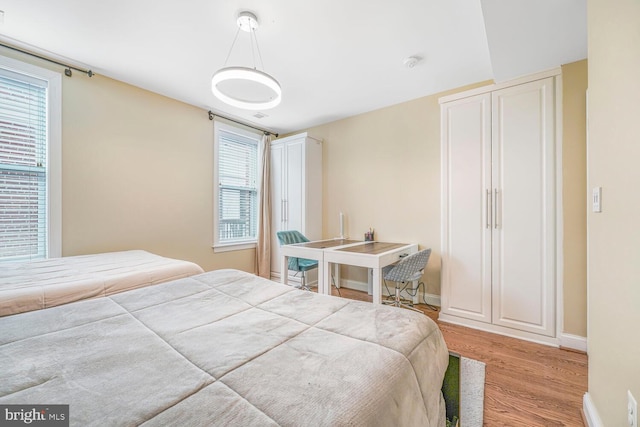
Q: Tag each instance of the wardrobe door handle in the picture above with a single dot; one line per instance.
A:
(282, 212)
(488, 209)
(498, 207)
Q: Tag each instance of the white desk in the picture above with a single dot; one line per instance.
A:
(373, 255)
(315, 251)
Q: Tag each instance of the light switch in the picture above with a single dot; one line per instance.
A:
(596, 199)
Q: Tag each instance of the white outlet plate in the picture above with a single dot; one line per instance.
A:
(596, 199)
(632, 410)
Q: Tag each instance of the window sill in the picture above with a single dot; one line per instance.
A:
(229, 247)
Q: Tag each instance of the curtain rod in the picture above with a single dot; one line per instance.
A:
(67, 71)
(266, 132)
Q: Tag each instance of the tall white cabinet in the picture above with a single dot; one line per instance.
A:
(499, 207)
(296, 191)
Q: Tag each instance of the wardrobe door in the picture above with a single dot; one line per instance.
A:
(466, 208)
(523, 134)
(278, 181)
(295, 188)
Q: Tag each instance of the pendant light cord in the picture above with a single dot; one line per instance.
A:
(232, 45)
(253, 33)
(253, 39)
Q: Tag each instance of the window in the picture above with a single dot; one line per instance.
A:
(236, 187)
(29, 161)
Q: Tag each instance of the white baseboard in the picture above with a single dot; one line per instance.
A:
(433, 299)
(358, 286)
(590, 412)
(574, 342)
(312, 280)
(501, 330)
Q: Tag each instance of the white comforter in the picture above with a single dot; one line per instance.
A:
(34, 285)
(226, 348)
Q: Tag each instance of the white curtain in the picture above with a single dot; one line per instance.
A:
(263, 249)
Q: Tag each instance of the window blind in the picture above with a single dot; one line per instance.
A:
(23, 164)
(238, 187)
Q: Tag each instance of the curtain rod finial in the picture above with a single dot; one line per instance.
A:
(210, 115)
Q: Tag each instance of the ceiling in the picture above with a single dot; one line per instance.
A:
(333, 58)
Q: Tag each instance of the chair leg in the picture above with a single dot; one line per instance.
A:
(397, 301)
(402, 304)
(303, 285)
(333, 282)
(410, 307)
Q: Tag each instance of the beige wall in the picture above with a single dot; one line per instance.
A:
(382, 169)
(574, 180)
(614, 234)
(137, 173)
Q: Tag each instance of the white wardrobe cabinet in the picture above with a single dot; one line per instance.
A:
(296, 191)
(499, 208)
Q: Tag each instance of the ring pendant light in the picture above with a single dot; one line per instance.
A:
(245, 87)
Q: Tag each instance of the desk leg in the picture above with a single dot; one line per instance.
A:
(326, 277)
(284, 270)
(377, 285)
(322, 282)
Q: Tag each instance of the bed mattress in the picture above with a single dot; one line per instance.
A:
(34, 285)
(226, 348)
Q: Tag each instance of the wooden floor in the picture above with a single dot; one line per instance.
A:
(526, 384)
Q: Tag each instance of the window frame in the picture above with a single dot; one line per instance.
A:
(54, 147)
(219, 126)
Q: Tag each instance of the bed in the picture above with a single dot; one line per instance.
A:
(27, 286)
(226, 348)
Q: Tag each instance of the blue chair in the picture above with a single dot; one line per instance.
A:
(301, 265)
(405, 271)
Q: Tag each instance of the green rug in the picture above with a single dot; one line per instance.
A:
(463, 391)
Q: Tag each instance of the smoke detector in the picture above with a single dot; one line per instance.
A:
(411, 61)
